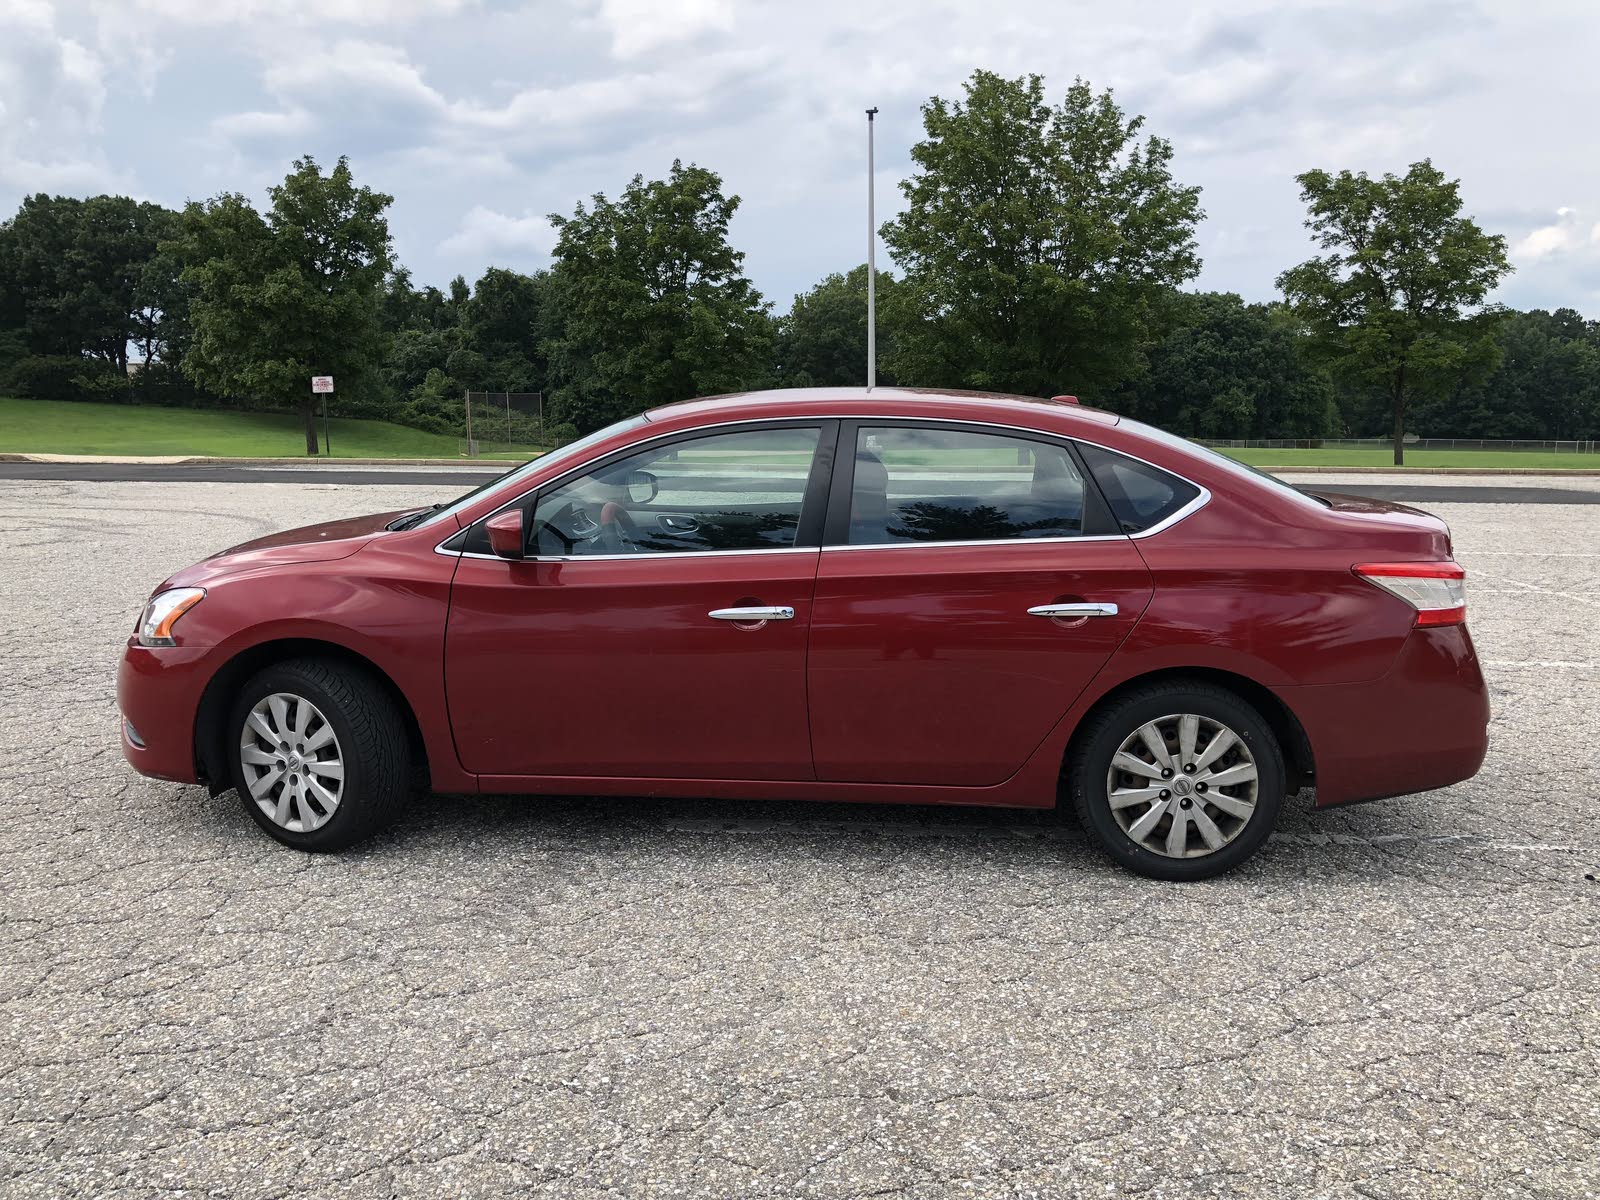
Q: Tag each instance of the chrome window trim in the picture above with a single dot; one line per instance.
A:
(1202, 498)
(1194, 506)
(642, 556)
(1049, 541)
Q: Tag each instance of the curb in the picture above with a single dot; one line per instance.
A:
(1293, 469)
(466, 463)
(212, 460)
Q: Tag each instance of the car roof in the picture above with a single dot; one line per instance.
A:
(879, 401)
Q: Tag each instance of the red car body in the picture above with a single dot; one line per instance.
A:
(910, 673)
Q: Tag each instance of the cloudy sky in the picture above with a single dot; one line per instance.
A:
(480, 116)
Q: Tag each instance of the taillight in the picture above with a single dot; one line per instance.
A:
(1437, 590)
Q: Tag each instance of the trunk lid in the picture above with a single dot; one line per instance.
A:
(1388, 522)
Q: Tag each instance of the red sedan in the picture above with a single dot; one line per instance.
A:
(895, 596)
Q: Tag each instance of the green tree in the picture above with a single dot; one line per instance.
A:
(81, 276)
(654, 302)
(1235, 370)
(822, 340)
(1398, 300)
(1546, 384)
(299, 292)
(503, 321)
(1037, 241)
(422, 329)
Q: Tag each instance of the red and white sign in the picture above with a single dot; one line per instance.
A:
(321, 384)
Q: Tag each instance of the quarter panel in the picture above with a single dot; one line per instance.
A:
(1274, 600)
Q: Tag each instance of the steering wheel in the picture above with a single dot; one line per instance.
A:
(618, 528)
(571, 518)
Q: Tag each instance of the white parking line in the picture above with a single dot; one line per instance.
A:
(1474, 840)
(1564, 664)
(1543, 591)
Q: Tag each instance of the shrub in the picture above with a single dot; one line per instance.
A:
(65, 377)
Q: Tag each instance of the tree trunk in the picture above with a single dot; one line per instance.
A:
(309, 409)
(1399, 394)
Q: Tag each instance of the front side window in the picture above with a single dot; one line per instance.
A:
(575, 449)
(946, 485)
(726, 491)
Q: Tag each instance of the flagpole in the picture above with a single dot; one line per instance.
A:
(872, 266)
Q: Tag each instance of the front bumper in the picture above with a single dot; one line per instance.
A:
(1424, 725)
(158, 694)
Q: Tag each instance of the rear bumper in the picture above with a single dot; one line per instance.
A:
(1422, 726)
(158, 694)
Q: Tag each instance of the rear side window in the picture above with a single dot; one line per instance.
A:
(921, 484)
(1141, 496)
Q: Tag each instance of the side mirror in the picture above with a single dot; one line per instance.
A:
(506, 536)
(642, 487)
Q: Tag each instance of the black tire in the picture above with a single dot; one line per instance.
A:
(1105, 731)
(372, 742)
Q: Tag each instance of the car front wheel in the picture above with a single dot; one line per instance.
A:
(320, 753)
(1178, 781)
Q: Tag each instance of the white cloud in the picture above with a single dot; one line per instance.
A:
(52, 96)
(250, 126)
(298, 12)
(1570, 231)
(372, 69)
(484, 231)
(478, 115)
(638, 27)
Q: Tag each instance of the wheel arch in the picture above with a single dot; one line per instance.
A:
(1285, 725)
(210, 731)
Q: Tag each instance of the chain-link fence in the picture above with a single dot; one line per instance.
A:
(1412, 442)
(509, 425)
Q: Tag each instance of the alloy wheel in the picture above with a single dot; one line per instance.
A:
(292, 764)
(1182, 786)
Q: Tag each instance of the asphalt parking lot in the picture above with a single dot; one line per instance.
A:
(588, 998)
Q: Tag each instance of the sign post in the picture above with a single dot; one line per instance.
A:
(322, 385)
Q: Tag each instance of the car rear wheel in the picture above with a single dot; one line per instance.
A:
(1179, 780)
(319, 752)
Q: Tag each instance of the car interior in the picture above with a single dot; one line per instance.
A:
(1014, 488)
(744, 491)
(740, 491)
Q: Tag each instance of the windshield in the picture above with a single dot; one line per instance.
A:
(572, 450)
(1232, 465)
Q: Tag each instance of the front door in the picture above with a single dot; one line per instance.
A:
(969, 592)
(658, 628)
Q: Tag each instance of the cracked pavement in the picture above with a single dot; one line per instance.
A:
(624, 998)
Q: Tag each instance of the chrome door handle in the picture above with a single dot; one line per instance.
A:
(759, 613)
(1088, 609)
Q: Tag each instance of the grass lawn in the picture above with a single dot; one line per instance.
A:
(68, 427)
(1521, 460)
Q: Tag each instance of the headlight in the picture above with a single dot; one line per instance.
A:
(162, 611)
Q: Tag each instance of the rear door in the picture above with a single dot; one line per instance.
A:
(970, 587)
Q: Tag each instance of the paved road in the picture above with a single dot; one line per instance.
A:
(448, 481)
(610, 998)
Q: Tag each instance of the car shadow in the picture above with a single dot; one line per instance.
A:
(1390, 838)
(1361, 839)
